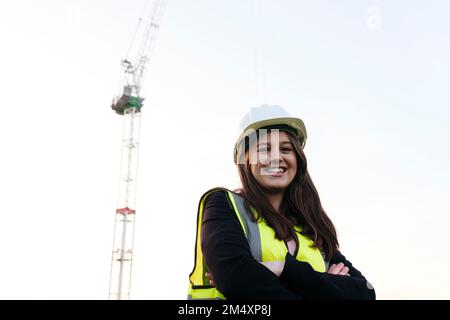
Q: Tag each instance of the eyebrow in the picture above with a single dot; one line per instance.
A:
(266, 143)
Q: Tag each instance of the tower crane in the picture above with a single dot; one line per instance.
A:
(129, 105)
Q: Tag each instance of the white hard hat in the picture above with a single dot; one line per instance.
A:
(268, 115)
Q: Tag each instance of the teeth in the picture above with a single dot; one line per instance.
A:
(276, 170)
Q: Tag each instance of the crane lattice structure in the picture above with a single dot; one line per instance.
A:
(129, 105)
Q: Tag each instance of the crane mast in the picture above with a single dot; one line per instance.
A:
(129, 105)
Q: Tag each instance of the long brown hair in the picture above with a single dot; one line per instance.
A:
(300, 205)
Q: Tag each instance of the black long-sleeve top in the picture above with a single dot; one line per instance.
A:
(239, 276)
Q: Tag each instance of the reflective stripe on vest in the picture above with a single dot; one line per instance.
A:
(262, 241)
(251, 229)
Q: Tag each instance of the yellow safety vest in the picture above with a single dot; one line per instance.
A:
(263, 245)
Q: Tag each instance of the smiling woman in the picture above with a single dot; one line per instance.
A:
(277, 164)
(271, 239)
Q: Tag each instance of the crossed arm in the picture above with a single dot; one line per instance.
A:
(239, 276)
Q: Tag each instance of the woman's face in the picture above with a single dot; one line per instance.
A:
(273, 162)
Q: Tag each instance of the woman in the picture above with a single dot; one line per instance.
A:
(272, 239)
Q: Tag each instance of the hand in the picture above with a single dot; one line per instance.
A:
(339, 269)
(210, 278)
(274, 266)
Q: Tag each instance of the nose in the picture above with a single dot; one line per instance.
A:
(276, 157)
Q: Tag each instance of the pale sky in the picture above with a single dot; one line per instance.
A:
(369, 79)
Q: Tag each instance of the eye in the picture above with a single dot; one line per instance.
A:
(286, 150)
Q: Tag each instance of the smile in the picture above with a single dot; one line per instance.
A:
(273, 171)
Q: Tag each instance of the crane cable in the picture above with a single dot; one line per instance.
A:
(136, 29)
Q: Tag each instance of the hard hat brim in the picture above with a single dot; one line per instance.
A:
(292, 122)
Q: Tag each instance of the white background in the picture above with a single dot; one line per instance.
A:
(369, 78)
